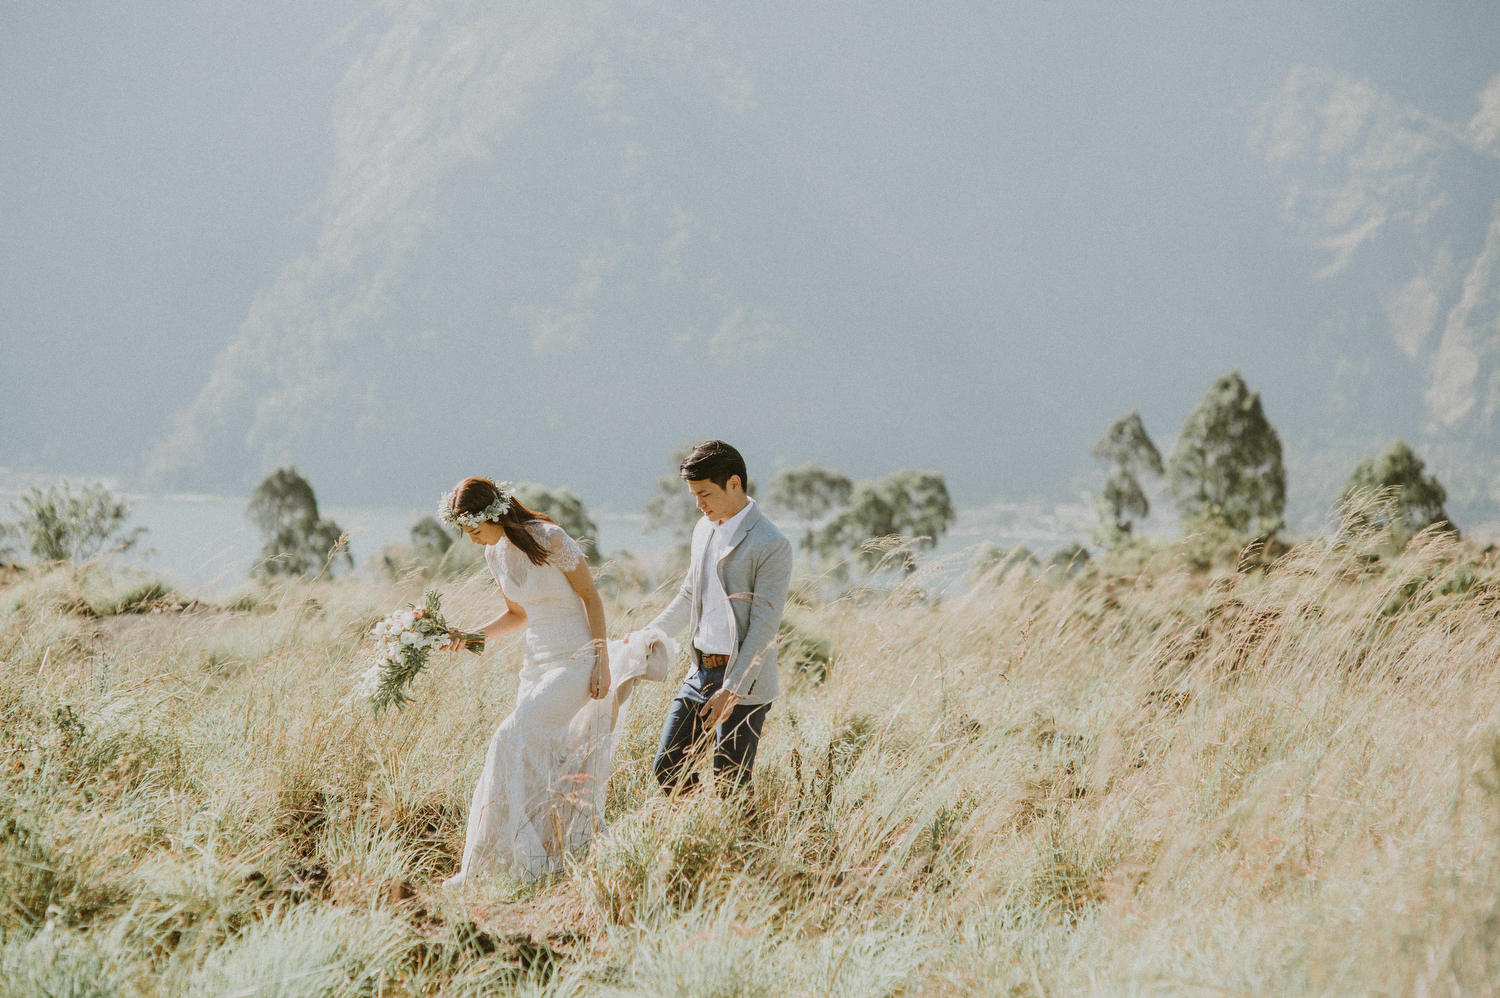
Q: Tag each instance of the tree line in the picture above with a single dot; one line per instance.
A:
(1225, 475)
(879, 523)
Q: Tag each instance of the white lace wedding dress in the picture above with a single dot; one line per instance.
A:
(541, 796)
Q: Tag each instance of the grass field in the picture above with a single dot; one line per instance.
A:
(1281, 781)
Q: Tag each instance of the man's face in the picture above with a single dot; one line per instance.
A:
(715, 503)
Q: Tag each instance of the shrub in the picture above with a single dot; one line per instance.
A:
(673, 507)
(54, 965)
(809, 653)
(1389, 491)
(433, 552)
(429, 536)
(39, 882)
(57, 524)
(623, 575)
(301, 952)
(1209, 538)
(993, 563)
(1070, 559)
(662, 857)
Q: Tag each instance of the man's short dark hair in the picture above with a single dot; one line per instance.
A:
(714, 461)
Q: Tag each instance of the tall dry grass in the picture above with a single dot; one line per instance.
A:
(1281, 781)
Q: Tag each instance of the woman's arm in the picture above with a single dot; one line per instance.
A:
(583, 584)
(511, 620)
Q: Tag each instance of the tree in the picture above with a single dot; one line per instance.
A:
(57, 524)
(1414, 501)
(564, 506)
(429, 538)
(1128, 452)
(908, 504)
(809, 493)
(1227, 466)
(298, 540)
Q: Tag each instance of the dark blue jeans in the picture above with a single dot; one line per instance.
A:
(684, 741)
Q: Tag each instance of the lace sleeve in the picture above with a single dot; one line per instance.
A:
(565, 553)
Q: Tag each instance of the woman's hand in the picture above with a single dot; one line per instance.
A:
(599, 681)
(455, 640)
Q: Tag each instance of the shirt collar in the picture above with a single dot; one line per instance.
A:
(728, 527)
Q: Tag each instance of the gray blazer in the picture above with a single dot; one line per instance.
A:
(755, 570)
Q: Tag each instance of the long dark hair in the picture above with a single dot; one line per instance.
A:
(474, 495)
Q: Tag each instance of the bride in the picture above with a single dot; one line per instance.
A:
(541, 795)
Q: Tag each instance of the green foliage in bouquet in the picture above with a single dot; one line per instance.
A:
(403, 643)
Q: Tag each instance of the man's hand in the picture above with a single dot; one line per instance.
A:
(718, 707)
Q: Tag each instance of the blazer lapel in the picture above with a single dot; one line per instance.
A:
(698, 562)
(741, 531)
(739, 534)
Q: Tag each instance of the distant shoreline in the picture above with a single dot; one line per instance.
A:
(202, 542)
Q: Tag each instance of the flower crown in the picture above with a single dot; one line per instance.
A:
(449, 513)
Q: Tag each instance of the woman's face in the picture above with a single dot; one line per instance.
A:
(485, 533)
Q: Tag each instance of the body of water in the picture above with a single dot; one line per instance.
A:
(205, 543)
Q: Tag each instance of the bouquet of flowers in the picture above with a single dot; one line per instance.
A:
(403, 642)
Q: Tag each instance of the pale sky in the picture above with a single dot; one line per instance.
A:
(399, 244)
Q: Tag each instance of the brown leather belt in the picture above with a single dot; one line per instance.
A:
(714, 661)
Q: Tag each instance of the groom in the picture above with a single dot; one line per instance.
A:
(731, 602)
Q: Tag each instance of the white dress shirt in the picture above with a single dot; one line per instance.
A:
(716, 625)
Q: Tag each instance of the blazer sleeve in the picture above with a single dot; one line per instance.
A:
(773, 576)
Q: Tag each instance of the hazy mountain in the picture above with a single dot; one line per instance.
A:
(1404, 204)
(552, 241)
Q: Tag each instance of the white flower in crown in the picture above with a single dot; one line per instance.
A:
(449, 513)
